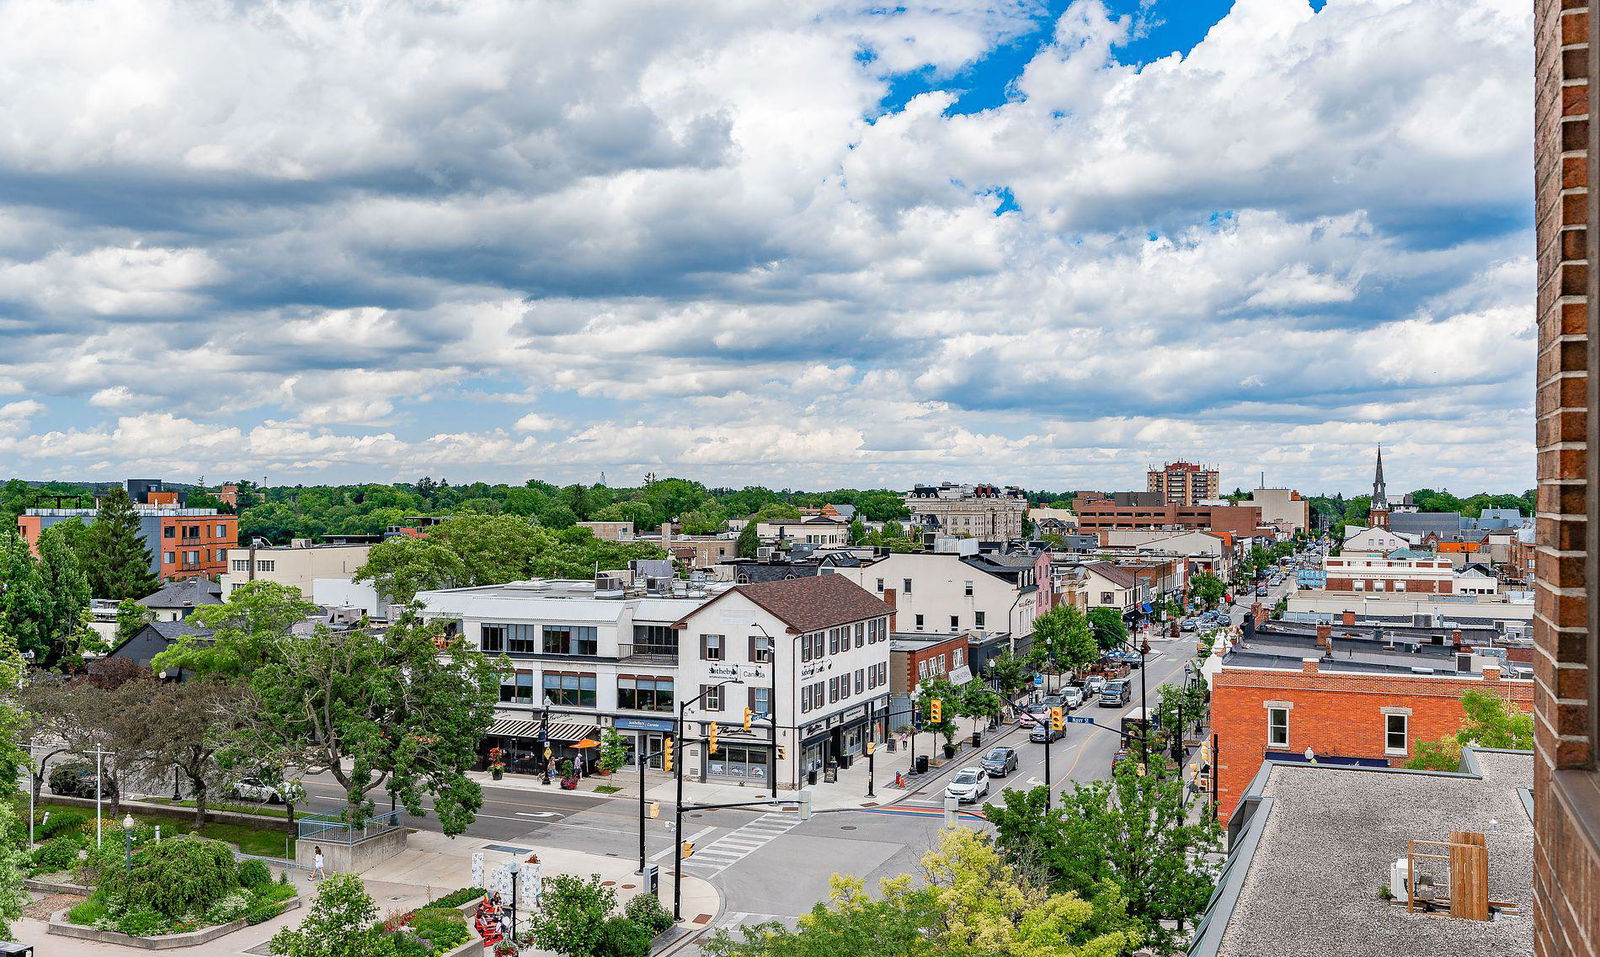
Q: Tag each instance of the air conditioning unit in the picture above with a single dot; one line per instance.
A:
(1400, 878)
(764, 552)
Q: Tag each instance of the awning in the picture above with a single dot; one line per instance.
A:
(560, 731)
(1145, 607)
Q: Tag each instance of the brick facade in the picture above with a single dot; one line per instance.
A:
(1335, 714)
(1566, 878)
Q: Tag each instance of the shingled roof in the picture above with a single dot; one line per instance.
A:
(811, 603)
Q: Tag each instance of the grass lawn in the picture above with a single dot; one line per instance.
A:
(263, 810)
(606, 789)
(251, 840)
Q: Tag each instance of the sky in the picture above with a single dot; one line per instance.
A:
(798, 243)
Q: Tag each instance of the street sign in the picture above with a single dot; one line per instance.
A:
(1038, 681)
(1079, 719)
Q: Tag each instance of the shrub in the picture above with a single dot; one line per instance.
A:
(621, 937)
(232, 907)
(275, 892)
(88, 913)
(646, 910)
(457, 898)
(262, 911)
(440, 927)
(253, 874)
(181, 876)
(56, 854)
(142, 922)
(61, 821)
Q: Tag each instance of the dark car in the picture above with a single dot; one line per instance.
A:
(1115, 694)
(1000, 762)
(1038, 734)
(76, 779)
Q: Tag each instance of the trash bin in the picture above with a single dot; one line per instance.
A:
(977, 739)
(811, 776)
(922, 764)
(845, 760)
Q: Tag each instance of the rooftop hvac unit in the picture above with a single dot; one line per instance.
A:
(1399, 878)
(764, 553)
(1422, 621)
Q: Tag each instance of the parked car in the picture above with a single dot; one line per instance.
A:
(1094, 684)
(1000, 762)
(76, 779)
(1114, 694)
(1261, 592)
(254, 789)
(1043, 734)
(1189, 624)
(968, 785)
(1073, 698)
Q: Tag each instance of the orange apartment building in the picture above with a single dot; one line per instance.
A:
(1371, 718)
(183, 542)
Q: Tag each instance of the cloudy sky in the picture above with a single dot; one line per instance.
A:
(802, 243)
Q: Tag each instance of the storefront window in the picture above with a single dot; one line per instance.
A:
(738, 763)
(518, 690)
(644, 694)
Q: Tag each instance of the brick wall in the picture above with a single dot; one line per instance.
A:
(1566, 877)
(1333, 713)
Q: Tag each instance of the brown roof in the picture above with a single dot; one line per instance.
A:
(813, 602)
(1117, 575)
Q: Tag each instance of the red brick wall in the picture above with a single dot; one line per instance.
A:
(1333, 713)
(1566, 878)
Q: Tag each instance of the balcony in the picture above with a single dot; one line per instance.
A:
(653, 654)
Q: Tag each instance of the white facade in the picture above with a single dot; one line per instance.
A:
(296, 566)
(810, 531)
(1282, 507)
(934, 592)
(1371, 541)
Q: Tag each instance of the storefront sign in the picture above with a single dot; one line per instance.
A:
(643, 724)
(735, 670)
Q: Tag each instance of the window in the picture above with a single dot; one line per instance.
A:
(905, 585)
(241, 565)
(570, 691)
(955, 622)
(168, 558)
(222, 531)
(1394, 733)
(655, 640)
(492, 638)
(956, 657)
(833, 641)
(760, 701)
(713, 697)
(1108, 598)
(266, 566)
(861, 677)
(919, 622)
(760, 648)
(571, 640)
(644, 694)
(861, 633)
(169, 531)
(977, 620)
(1277, 727)
(880, 586)
(833, 690)
(522, 639)
(968, 589)
(518, 690)
(711, 648)
(805, 697)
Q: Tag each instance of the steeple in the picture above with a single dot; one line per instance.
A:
(1378, 511)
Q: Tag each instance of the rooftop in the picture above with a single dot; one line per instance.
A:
(812, 604)
(1312, 843)
(185, 593)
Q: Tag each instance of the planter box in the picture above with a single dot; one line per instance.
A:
(60, 927)
(44, 886)
(474, 946)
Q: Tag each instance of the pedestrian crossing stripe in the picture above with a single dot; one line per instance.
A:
(903, 811)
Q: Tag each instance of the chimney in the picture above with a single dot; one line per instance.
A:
(1491, 672)
(1349, 618)
(1325, 637)
(666, 535)
(1455, 639)
(1308, 665)
(888, 599)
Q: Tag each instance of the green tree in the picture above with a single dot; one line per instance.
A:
(1110, 631)
(949, 698)
(1063, 638)
(979, 702)
(121, 568)
(402, 566)
(131, 616)
(247, 632)
(775, 512)
(572, 915)
(1207, 589)
(1490, 721)
(749, 542)
(341, 924)
(67, 593)
(1010, 674)
(703, 521)
(1130, 831)
(25, 603)
(858, 531)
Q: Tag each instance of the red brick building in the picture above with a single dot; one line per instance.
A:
(916, 658)
(1379, 573)
(1239, 519)
(1342, 716)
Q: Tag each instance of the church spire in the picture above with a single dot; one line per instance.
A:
(1379, 499)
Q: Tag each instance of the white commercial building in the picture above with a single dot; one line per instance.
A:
(297, 565)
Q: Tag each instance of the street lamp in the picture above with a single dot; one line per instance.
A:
(677, 830)
(127, 833)
(515, 868)
(772, 700)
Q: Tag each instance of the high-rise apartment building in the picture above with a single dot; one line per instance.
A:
(1184, 483)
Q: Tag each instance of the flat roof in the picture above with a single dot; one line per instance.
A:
(1316, 843)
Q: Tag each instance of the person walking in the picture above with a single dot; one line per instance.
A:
(317, 871)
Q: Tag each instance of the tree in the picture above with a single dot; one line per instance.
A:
(1010, 674)
(341, 924)
(67, 599)
(774, 512)
(245, 631)
(1110, 631)
(572, 915)
(703, 521)
(949, 697)
(1063, 638)
(85, 714)
(749, 542)
(858, 531)
(1207, 589)
(1130, 831)
(1490, 722)
(131, 616)
(188, 724)
(25, 605)
(122, 564)
(979, 702)
(402, 566)
(395, 710)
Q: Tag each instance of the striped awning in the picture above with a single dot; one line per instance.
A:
(560, 731)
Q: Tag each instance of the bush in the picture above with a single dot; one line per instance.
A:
(184, 875)
(232, 907)
(61, 821)
(275, 892)
(441, 928)
(142, 922)
(457, 898)
(262, 911)
(647, 911)
(253, 874)
(621, 937)
(56, 854)
(88, 913)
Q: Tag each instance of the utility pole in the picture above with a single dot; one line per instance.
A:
(99, 775)
(677, 842)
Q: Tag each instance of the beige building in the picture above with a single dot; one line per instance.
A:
(1283, 508)
(1184, 483)
(610, 531)
(986, 512)
(297, 565)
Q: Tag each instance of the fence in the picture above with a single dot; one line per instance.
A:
(334, 829)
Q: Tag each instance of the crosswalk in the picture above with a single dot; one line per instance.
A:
(738, 844)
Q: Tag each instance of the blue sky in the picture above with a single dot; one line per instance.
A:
(805, 244)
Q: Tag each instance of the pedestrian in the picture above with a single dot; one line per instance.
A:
(317, 871)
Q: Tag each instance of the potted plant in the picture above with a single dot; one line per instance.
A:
(497, 763)
(569, 776)
(613, 751)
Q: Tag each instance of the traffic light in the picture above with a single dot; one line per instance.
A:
(935, 711)
(871, 747)
(1056, 724)
(655, 809)
(747, 714)
(783, 752)
(688, 849)
(666, 756)
(712, 738)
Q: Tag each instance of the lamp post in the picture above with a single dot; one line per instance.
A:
(544, 739)
(772, 699)
(677, 811)
(515, 868)
(127, 833)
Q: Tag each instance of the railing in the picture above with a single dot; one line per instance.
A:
(666, 654)
(334, 829)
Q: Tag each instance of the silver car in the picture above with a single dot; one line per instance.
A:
(968, 785)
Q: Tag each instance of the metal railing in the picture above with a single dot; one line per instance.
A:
(666, 654)
(334, 829)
